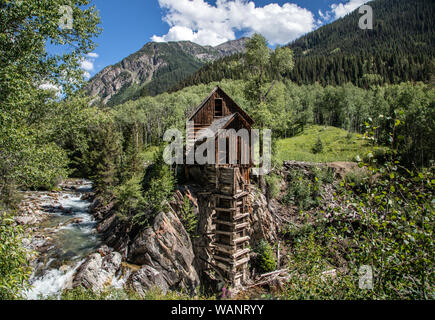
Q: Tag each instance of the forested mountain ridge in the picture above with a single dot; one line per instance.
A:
(401, 47)
(155, 68)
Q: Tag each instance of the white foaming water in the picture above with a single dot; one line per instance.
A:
(75, 238)
(51, 283)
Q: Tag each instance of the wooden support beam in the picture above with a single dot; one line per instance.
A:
(223, 245)
(225, 233)
(227, 260)
(240, 240)
(225, 250)
(242, 225)
(227, 223)
(225, 209)
(241, 253)
(241, 216)
(240, 262)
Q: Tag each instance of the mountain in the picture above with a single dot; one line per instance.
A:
(401, 47)
(155, 68)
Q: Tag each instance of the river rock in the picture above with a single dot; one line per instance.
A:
(97, 272)
(26, 220)
(167, 249)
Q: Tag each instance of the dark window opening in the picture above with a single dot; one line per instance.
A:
(218, 109)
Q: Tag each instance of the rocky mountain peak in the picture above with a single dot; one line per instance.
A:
(155, 68)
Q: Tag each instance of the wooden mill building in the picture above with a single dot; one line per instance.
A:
(227, 181)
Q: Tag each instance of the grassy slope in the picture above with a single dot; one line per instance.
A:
(338, 145)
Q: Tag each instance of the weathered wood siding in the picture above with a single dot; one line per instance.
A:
(206, 115)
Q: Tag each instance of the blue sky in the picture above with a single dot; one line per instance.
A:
(128, 25)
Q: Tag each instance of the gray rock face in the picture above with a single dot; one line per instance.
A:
(167, 249)
(97, 271)
(231, 47)
(147, 278)
(263, 223)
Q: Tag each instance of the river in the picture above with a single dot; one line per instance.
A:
(63, 239)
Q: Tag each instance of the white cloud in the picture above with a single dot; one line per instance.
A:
(340, 10)
(206, 24)
(93, 55)
(87, 65)
(325, 16)
(86, 75)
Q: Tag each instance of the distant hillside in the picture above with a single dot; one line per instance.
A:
(155, 68)
(401, 47)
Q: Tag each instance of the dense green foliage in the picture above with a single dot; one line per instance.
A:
(384, 220)
(389, 227)
(399, 48)
(265, 260)
(39, 135)
(30, 156)
(305, 190)
(14, 264)
(290, 108)
(188, 218)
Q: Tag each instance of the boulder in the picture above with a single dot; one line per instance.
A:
(147, 278)
(96, 271)
(167, 249)
(263, 222)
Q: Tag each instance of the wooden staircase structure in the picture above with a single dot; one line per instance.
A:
(231, 203)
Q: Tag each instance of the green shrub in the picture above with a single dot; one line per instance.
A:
(158, 185)
(302, 192)
(188, 218)
(318, 146)
(129, 198)
(272, 183)
(14, 264)
(359, 179)
(325, 175)
(266, 258)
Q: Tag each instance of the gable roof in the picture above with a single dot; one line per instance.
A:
(222, 92)
(219, 124)
(215, 126)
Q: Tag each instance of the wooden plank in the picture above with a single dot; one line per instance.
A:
(225, 250)
(222, 245)
(241, 216)
(227, 223)
(241, 253)
(223, 259)
(226, 233)
(243, 261)
(240, 240)
(225, 209)
(242, 225)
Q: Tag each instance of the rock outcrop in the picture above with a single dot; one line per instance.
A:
(98, 270)
(166, 251)
(263, 222)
